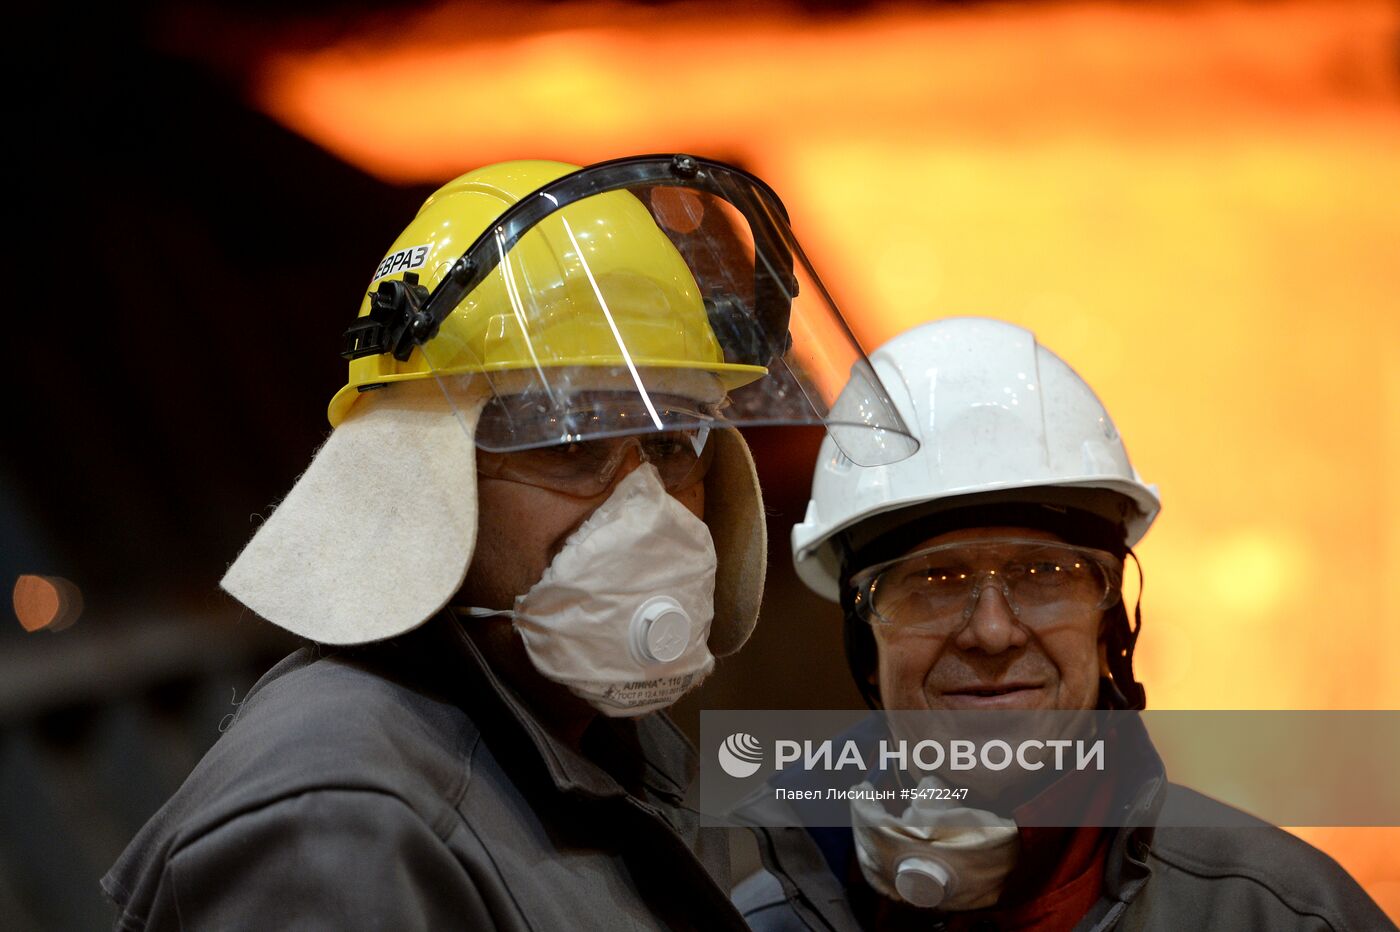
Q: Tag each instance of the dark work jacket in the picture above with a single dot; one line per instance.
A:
(1162, 879)
(401, 786)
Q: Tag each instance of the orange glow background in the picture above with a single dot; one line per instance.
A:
(1197, 205)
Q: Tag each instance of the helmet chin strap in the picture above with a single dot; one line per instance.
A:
(862, 656)
(1110, 696)
(1125, 692)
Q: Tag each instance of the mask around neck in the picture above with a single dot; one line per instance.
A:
(936, 853)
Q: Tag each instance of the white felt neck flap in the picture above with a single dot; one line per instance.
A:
(377, 534)
(734, 512)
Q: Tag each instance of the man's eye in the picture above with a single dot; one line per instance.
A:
(1046, 571)
(664, 448)
(935, 577)
(567, 450)
(571, 453)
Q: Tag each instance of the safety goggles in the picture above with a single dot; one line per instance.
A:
(584, 467)
(937, 589)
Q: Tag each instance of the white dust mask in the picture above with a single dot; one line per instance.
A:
(937, 853)
(622, 615)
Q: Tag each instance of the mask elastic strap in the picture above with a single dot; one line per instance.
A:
(474, 612)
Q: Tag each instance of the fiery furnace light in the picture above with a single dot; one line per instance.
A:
(1197, 205)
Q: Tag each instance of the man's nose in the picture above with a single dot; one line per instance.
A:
(992, 627)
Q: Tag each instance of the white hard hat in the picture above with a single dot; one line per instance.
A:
(999, 418)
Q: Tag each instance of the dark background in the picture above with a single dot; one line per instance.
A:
(181, 269)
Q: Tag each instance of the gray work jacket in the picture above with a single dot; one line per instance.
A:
(1163, 879)
(402, 786)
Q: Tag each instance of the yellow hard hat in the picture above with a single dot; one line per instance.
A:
(575, 298)
(596, 284)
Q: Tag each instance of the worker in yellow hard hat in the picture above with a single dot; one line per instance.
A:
(533, 526)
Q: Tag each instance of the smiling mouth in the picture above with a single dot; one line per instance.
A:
(990, 690)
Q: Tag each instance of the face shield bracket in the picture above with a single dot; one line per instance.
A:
(396, 323)
(741, 333)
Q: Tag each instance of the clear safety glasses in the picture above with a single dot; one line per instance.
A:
(937, 589)
(585, 468)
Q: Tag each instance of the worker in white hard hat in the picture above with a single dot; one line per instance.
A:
(984, 574)
(534, 526)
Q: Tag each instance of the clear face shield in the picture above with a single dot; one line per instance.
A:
(645, 296)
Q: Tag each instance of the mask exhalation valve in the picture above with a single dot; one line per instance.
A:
(660, 630)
